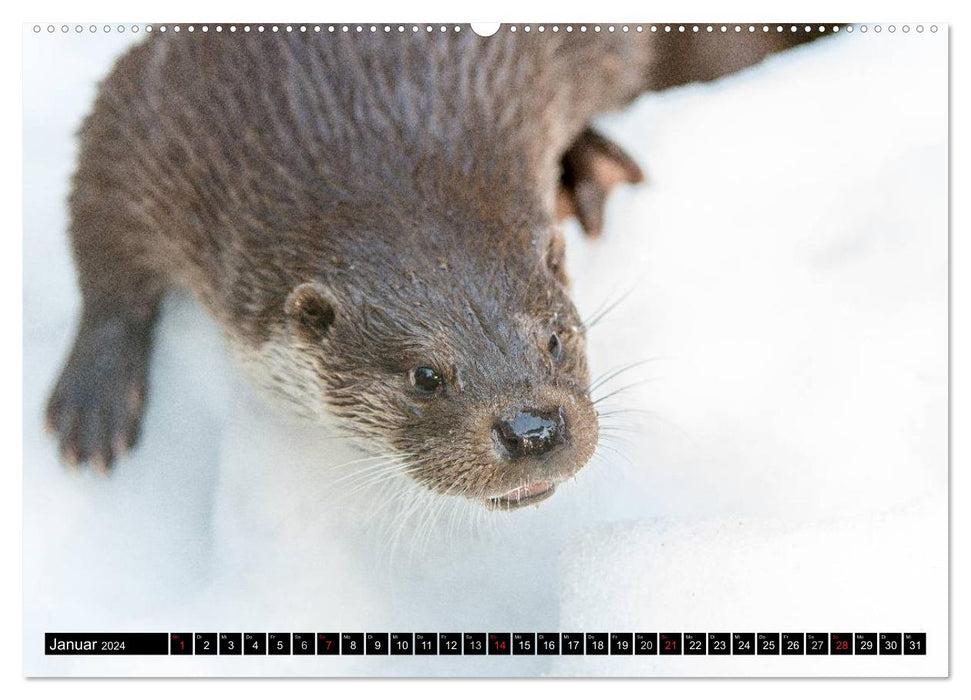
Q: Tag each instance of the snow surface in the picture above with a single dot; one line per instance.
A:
(783, 465)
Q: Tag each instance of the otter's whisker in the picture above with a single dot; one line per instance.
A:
(423, 528)
(614, 373)
(324, 494)
(405, 517)
(462, 506)
(607, 307)
(655, 417)
(637, 430)
(616, 452)
(371, 458)
(434, 524)
(422, 531)
(366, 458)
(622, 389)
(395, 468)
(335, 436)
(365, 478)
(321, 490)
(624, 411)
(397, 518)
(616, 440)
(381, 479)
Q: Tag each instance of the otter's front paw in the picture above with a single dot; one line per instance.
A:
(591, 167)
(96, 406)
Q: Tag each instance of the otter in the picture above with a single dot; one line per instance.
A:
(372, 219)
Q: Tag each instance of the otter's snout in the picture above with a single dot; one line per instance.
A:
(530, 433)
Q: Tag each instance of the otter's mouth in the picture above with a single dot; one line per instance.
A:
(522, 496)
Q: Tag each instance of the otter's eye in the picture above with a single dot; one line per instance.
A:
(425, 379)
(555, 347)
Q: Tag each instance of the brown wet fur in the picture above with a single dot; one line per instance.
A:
(350, 207)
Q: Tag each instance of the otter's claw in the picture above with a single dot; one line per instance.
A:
(591, 167)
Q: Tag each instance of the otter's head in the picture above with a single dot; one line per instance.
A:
(467, 360)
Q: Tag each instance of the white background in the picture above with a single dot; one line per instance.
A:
(655, 159)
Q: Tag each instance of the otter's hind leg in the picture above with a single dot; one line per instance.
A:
(591, 167)
(96, 406)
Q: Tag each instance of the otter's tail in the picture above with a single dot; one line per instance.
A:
(689, 56)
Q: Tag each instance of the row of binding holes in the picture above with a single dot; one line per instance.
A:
(401, 28)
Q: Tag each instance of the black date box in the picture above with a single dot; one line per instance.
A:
(743, 643)
(621, 643)
(841, 643)
(597, 643)
(352, 644)
(817, 643)
(694, 644)
(230, 643)
(719, 643)
(793, 643)
(548, 643)
(426, 644)
(524, 643)
(571, 644)
(376, 643)
(500, 643)
(304, 643)
(450, 643)
(254, 643)
(645, 643)
(180, 643)
(278, 643)
(474, 643)
(865, 643)
(767, 643)
(891, 643)
(669, 643)
(205, 643)
(329, 643)
(402, 644)
(915, 643)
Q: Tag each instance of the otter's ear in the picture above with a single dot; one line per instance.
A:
(310, 311)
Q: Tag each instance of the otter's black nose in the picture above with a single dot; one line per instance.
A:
(530, 433)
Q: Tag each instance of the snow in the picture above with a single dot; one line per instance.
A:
(786, 277)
